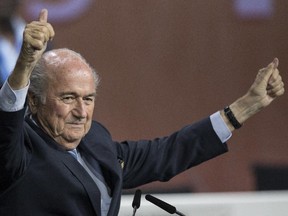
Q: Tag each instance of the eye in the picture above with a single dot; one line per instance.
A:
(68, 99)
(89, 99)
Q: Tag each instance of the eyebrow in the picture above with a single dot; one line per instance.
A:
(76, 95)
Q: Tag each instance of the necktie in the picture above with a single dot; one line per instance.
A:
(95, 172)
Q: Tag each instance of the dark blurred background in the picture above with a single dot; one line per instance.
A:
(167, 63)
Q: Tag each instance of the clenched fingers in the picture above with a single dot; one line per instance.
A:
(37, 34)
(275, 85)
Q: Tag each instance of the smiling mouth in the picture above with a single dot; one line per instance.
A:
(77, 122)
(76, 125)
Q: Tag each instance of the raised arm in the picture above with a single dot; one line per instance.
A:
(35, 38)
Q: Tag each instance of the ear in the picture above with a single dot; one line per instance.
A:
(33, 103)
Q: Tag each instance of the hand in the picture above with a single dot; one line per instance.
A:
(267, 86)
(35, 38)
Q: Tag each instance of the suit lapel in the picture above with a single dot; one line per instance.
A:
(106, 159)
(92, 190)
(111, 168)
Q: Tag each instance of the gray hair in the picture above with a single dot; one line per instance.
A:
(40, 74)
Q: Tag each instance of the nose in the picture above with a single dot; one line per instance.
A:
(80, 109)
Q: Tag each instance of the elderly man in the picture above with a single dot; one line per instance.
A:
(55, 160)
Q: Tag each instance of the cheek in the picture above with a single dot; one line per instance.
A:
(90, 112)
(88, 125)
(54, 114)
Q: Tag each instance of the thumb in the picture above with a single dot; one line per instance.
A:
(266, 73)
(276, 61)
(43, 16)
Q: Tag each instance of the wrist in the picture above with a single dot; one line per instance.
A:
(20, 76)
(245, 107)
(231, 118)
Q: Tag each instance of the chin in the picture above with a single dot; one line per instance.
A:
(70, 141)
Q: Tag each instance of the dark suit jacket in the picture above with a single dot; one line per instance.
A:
(38, 178)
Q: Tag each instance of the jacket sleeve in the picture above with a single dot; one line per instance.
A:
(163, 158)
(13, 153)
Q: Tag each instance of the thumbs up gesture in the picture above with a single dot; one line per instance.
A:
(35, 38)
(267, 86)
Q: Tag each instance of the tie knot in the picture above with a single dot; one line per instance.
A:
(74, 153)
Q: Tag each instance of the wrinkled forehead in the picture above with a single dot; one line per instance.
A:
(60, 63)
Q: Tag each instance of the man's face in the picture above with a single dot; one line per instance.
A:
(67, 114)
